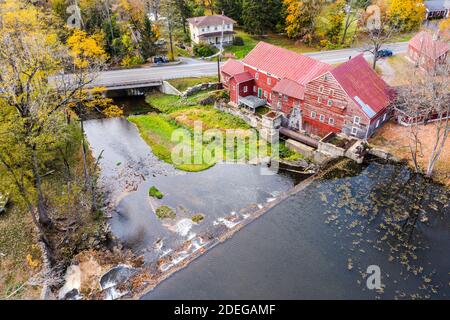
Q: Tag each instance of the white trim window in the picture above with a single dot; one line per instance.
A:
(322, 118)
(245, 89)
(354, 131)
(330, 102)
(285, 98)
(321, 89)
(313, 114)
(319, 100)
(356, 120)
(265, 94)
(331, 121)
(331, 92)
(269, 81)
(255, 89)
(257, 76)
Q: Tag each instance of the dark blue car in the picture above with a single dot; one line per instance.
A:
(385, 53)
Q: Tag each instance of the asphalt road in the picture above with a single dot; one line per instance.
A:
(196, 68)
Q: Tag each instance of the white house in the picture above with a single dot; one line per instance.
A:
(210, 29)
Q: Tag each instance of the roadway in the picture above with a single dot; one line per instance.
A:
(198, 68)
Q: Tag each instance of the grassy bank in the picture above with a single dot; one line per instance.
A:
(185, 83)
(157, 129)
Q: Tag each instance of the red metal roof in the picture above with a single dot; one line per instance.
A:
(243, 77)
(423, 42)
(363, 85)
(290, 88)
(232, 67)
(284, 63)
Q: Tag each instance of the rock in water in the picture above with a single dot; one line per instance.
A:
(114, 277)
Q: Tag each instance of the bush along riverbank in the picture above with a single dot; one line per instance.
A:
(197, 114)
(77, 223)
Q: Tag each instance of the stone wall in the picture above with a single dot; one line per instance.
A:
(197, 88)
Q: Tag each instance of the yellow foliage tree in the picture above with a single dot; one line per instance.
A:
(406, 15)
(86, 49)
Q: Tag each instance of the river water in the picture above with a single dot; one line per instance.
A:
(316, 244)
(224, 194)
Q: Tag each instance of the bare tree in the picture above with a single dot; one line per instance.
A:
(426, 101)
(353, 10)
(378, 30)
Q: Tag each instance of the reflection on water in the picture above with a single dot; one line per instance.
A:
(319, 243)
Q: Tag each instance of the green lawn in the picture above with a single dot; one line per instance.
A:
(157, 129)
(250, 41)
(185, 83)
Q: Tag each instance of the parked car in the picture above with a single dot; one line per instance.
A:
(385, 53)
(160, 60)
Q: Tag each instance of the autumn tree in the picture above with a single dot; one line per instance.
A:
(330, 22)
(30, 53)
(406, 15)
(301, 18)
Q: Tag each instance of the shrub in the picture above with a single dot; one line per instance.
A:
(238, 41)
(165, 212)
(204, 50)
(155, 193)
(197, 218)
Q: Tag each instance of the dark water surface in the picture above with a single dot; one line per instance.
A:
(319, 243)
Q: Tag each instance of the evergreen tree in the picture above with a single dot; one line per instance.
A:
(260, 16)
(231, 8)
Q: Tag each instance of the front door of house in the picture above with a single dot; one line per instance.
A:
(259, 93)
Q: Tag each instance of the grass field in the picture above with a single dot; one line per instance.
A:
(184, 83)
(157, 129)
(250, 41)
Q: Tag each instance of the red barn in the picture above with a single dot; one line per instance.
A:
(310, 95)
(427, 51)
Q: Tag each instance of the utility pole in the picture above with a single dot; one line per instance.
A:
(171, 39)
(220, 54)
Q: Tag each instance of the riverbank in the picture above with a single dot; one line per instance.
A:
(76, 228)
(196, 113)
(394, 138)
